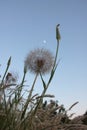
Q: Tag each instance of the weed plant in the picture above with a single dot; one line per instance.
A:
(32, 113)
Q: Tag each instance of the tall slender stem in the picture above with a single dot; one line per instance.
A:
(29, 97)
(33, 86)
(57, 48)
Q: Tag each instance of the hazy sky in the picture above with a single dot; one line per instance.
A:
(29, 24)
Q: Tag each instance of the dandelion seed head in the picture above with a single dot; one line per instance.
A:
(39, 61)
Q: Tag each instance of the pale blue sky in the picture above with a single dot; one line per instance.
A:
(25, 24)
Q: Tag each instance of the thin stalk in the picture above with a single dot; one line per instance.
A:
(22, 83)
(23, 79)
(57, 48)
(29, 97)
(30, 94)
(54, 66)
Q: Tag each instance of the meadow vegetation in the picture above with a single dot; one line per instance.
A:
(34, 113)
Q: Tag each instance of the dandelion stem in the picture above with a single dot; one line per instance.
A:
(32, 86)
(29, 97)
